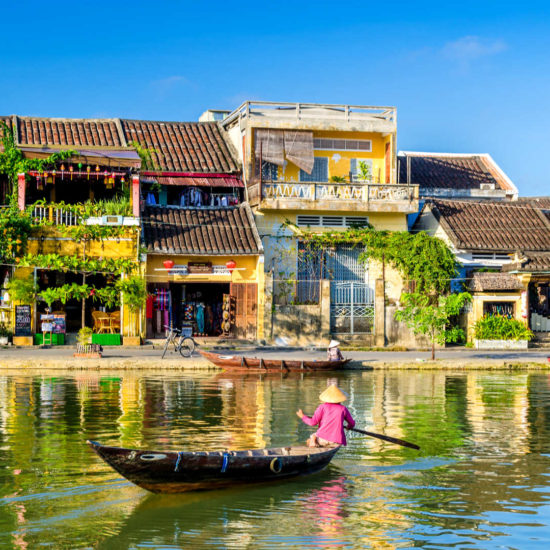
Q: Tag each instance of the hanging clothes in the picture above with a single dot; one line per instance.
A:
(151, 200)
(200, 318)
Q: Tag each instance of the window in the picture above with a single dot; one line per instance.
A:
(319, 172)
(355, 169)
(342, 144)
(270, 171)
(491, 256)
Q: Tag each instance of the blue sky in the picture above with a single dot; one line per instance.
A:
(465, 77)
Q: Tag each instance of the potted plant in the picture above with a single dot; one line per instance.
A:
(134, 294)
(499, 332)
(85, 348)
(5, 334)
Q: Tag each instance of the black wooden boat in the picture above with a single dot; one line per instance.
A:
(178, 472)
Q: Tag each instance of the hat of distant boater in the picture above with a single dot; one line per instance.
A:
(333, 394)
(334, 344)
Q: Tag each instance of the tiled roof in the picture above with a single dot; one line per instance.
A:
(537, 202)
(86, 132)
(531, 262)
(485, 282)
(434, 170)
(491, 225)
(183, 146)
(200, 231)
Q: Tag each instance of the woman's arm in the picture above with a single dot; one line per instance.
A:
(349, 419)
(315, 419)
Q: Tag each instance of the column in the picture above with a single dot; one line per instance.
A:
(135, 196)
(379, 314)
(21, 188)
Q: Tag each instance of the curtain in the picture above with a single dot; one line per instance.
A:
(270, 146)
(299, 149)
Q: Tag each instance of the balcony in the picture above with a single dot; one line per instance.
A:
(351, 197)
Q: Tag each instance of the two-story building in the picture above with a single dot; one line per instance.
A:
(321, 168)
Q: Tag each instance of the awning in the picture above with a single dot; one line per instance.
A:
(273, 145)
(127, 158)
(227, 181)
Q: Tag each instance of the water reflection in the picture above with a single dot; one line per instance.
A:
(481, 479)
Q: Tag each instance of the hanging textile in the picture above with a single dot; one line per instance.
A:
(299, 149)
(270, 146)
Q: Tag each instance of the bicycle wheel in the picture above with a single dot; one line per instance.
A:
(168, 340)
(187, 347)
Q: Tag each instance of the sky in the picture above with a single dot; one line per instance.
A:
(466, 77)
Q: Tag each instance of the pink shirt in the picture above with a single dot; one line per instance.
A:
(330, 417)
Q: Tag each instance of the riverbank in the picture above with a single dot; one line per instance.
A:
(149, 358)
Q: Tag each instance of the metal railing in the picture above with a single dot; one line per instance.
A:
(363, 192)
(56, 216)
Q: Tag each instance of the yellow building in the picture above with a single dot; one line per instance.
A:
(325, 168)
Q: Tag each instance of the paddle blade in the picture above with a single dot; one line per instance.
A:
(386, 438)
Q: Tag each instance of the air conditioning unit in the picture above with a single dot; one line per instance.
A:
(487, 186)
(111, 220)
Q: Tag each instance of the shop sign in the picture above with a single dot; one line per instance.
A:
(199, 267)
(22, 320)
(53, 323)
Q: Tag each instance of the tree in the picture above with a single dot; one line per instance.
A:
(430, 315)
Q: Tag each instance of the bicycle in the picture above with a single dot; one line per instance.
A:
(184, 344)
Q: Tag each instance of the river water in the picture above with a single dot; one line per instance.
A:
(481, 479)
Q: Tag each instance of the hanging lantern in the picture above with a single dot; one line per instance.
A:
(39, 182)
(168, 264)
(80, 167)
(88, 168)
(71, 171)
(97, 170)
(53, 176)
(231, 265)
(62, 171)
(48, 178)
(122, 180)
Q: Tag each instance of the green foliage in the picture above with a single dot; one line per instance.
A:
(22, 290)
(15, 227)
(364, 171)
(498, 327)
(426, 261)
(134, 292)
(338, 179)
(85, 336)
(146, 156)
(49, 295)
(109, 295)
(118, 206)
(111, 266)
(13, 162)
(431, 316)
(4, 329)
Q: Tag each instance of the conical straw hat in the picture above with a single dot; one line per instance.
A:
(333, 394)
(334, 344)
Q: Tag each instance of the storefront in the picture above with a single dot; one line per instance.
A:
(204, 271)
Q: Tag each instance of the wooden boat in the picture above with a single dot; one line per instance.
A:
(258, 364)
(178, 472)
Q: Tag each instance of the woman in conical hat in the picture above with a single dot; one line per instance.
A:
(333, 352)
(330, 416)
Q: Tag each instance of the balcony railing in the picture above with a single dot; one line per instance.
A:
(363, 192)
(55, 215)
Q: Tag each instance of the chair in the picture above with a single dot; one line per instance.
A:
(102, 322)
(115, 322)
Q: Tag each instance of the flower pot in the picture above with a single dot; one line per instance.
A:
(4, 340)
(131, 341)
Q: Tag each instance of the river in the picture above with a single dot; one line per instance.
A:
(480, 480)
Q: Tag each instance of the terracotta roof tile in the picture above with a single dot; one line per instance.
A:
(69, 132)
(449, 171)
(530, 262)
(491, 225)
(200, 231)
(484, 282)
(183, 146)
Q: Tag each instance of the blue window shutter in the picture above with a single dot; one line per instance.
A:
(319, 172)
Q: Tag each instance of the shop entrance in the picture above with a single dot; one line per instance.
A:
(198, 305)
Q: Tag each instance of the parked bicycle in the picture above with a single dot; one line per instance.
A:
(182, 343)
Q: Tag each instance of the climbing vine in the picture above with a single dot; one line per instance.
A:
(427, 261)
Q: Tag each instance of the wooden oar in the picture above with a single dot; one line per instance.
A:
(386, 438)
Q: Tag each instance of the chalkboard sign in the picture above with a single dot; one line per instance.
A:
(22, 320)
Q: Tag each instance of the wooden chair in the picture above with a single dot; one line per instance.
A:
(102, 322)
(115, 321)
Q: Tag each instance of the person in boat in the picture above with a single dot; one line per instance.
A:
(333, 352)
(330, 417)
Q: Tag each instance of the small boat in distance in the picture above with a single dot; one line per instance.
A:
(258, 364)
(178, 472)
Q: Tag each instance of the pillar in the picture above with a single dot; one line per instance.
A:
(379, 314)
(21, 188)
(268, 305)
(325, 309)
(135, 196)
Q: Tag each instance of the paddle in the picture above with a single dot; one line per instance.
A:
(385, 438)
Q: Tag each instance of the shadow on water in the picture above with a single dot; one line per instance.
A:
(236, 515)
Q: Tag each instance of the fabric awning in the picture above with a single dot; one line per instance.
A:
(270, 146)
(127, 158)
(299, 149)
(228, 181)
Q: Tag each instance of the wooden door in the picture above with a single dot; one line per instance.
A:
(246, 308)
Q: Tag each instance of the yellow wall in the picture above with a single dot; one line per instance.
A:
(339, 161)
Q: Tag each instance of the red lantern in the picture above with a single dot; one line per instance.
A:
(231, 265)
(168, 264)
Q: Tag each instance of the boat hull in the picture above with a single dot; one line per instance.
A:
(178, 472)
(258, 364)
